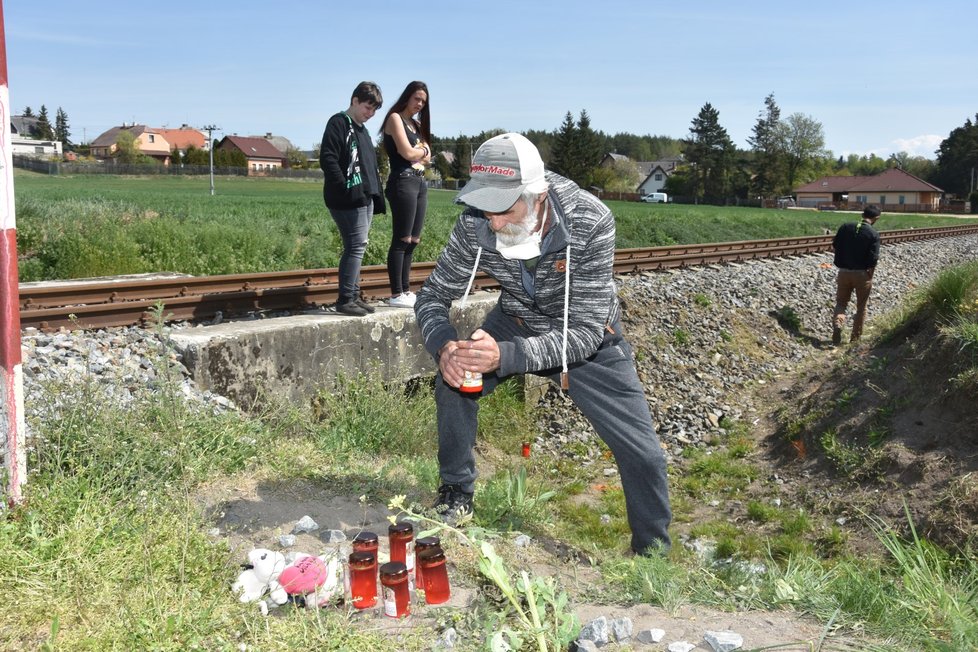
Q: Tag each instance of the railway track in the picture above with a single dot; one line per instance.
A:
(122, 302)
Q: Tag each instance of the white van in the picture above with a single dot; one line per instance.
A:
(655, 198)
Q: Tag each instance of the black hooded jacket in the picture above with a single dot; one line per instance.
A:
(349, 164)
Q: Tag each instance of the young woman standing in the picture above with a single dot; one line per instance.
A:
(407, 141)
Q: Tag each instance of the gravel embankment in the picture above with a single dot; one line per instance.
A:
(700, 336)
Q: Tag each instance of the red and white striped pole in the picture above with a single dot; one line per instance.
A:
(12, 379)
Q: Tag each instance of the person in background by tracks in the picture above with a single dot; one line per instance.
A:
(352, 189)
(407, 141)
(857, 250)
(550, 245)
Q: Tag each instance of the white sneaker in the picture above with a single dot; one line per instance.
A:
(412, 296)
(401, 301)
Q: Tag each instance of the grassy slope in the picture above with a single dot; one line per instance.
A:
(77, 227)
(112, 550)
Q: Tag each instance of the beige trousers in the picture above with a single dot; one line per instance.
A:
(847, 282)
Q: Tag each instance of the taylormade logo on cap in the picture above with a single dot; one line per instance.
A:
(502, 168)
(491, 169)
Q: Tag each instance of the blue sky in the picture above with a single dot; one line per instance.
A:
(880, 77)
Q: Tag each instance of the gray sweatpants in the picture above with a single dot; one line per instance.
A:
(607, 390)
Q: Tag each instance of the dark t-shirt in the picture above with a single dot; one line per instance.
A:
(398, 162)
(368, 160)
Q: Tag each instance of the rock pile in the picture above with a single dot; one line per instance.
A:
(701, 335)
(118, 362)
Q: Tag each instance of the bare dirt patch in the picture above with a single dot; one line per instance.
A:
(881, 430)
(253, 514)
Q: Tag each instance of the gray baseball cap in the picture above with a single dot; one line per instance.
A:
(502, 168)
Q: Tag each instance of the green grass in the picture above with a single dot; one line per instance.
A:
(951, 299)
(85, 226)
(110, 550)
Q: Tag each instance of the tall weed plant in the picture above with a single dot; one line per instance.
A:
(365, 415)
(962, 327)
(939, 594)
(951, 290)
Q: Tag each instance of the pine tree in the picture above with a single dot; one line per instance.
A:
(590, 149)
(957, 159)
(710, 151)
(768, 147)
(44, 130)
(61, 130)
(28, 112)
(462, 162)
(564, 155)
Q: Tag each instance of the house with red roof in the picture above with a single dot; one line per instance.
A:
(892, 190)
(261, 155)
(184, 138)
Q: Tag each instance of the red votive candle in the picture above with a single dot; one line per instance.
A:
(435, 576)
(363, 579)
(397, 598)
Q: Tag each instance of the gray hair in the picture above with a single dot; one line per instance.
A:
(533, 192)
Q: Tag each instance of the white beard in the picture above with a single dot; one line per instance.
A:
(514, 234)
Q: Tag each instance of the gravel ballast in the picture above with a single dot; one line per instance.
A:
(700, 336)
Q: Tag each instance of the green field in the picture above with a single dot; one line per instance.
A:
(84, 226)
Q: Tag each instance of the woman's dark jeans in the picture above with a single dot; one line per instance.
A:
(407, 194)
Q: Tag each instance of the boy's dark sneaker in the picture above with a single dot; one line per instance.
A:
(350, 307)
(366, 306)
(453, 503)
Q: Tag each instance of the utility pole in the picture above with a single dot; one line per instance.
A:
(210, 146)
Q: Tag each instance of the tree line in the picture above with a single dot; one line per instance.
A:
(782, 154)
(42, 129)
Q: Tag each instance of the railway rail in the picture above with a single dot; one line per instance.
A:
(123, 302)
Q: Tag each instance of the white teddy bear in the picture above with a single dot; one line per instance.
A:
(317, 579)
(261, 578)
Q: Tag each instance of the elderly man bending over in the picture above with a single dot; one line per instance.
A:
(550, 246)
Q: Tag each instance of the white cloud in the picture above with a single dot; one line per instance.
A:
(924, 145)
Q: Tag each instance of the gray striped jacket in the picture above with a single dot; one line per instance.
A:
(581, 221)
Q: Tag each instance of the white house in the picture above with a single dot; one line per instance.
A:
(22, 143)
(659, 171)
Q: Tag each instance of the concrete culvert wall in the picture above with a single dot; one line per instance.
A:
(294, 357)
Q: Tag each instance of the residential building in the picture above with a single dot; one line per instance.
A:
(281, 143)
(611, 158)
(23, 142)
(185, 137)
(656, 173)
(150, 142)
(260, 154)
(892, 190)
